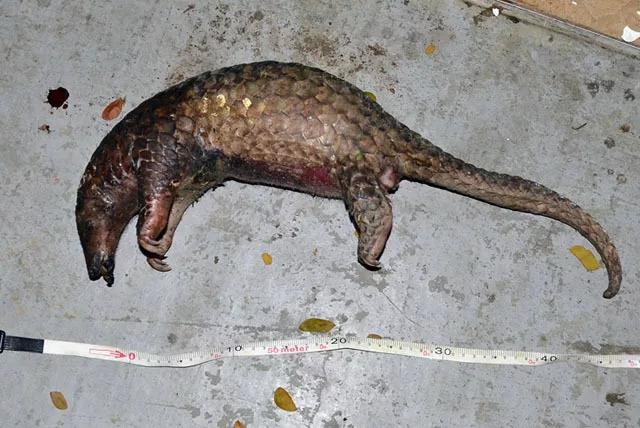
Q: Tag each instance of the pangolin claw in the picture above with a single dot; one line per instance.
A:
(158, 264)
(150, 245)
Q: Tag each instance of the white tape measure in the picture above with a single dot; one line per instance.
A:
(315, 344)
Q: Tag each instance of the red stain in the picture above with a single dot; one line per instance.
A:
(57, 97)
(317, 176)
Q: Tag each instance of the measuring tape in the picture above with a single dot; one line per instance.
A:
(304, 346)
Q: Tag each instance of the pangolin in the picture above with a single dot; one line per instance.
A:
(284, 125)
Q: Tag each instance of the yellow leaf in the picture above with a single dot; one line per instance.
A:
(374, 336)
(586, 257)
(316, 325)
(267, 259)
(430, 49)
(238, 424)
(113, 109)
(283, 400)
(58, 400)
(371, 96)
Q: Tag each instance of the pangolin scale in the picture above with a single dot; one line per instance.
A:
(285, 125)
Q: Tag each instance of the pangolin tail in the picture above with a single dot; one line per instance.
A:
(427, 163)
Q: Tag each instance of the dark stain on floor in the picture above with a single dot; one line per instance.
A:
(594, 86)
(58, 97)
(377, 50)
(628, 95)
(616, 398)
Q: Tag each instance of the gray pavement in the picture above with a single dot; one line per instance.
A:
(503, 95)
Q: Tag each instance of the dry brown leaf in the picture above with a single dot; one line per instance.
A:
(371, 96)
(113, 109)
(267, 259)
(374, 336)
(431, 49)
(586, 257)
(238, 424)
(58, 400)
(316, 325)
(283, 400)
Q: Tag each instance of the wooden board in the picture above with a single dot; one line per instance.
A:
(608, 17)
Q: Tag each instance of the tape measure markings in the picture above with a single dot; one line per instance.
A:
(333, 343)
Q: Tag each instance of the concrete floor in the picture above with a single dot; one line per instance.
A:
(502, 95)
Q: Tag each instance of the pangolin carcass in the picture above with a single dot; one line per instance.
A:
(285, 125)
